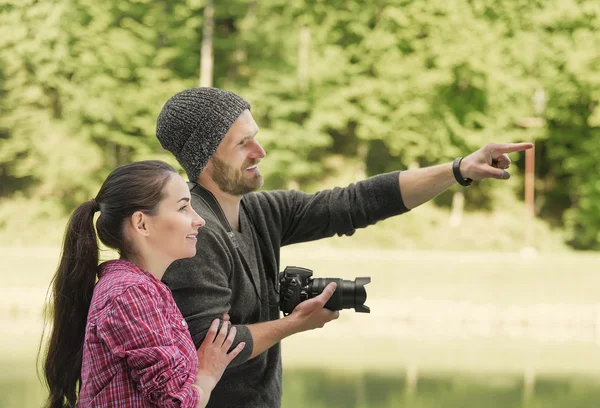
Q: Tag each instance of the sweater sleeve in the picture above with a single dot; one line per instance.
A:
(202, 291)
(300, 217)
(137, 330)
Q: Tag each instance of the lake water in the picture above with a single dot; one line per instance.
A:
(317, 388)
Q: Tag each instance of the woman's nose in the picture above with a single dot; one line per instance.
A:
(198, 220)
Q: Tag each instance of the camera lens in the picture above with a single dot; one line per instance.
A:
(348, 294)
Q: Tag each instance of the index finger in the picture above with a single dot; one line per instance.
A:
(510, 147)
(212, 330)
(327, 292)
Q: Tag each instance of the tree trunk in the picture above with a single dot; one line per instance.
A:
(206, 52)
(303, 58)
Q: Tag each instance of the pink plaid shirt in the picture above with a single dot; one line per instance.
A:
(138, 351)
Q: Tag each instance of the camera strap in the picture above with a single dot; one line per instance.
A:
(209, 199)
(212, 203)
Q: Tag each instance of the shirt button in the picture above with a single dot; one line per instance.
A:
(183, 322)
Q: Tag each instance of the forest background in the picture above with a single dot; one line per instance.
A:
(341, 90)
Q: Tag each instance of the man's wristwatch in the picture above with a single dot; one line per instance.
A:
(459, 178)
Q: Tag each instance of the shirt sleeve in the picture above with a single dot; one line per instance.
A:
(137, 330)
(296, 217)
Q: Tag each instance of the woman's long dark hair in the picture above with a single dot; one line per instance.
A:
(134, 187)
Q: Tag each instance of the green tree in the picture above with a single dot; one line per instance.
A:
(343, 87)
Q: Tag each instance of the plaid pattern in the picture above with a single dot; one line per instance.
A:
(138, 351)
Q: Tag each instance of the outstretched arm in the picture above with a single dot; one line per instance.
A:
(491, 161)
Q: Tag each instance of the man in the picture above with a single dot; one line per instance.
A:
(212, 134)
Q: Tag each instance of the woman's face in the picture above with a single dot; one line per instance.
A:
(172, 230)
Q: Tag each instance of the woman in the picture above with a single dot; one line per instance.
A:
(117, 337)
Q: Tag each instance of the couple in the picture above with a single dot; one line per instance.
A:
(160, 325)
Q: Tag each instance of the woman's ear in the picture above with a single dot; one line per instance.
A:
(138, 222)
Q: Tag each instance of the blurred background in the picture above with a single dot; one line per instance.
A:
(485, 297)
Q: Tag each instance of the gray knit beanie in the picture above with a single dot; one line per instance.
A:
(193, 122)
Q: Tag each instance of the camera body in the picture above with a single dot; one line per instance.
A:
(297, 285)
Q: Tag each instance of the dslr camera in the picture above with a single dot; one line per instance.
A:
(296, 285)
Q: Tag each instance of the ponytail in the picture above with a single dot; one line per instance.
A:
(138, 186)
(72, 289)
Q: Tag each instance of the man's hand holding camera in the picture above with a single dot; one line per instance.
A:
(312, 314)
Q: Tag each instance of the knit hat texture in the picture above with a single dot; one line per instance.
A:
(193, 122)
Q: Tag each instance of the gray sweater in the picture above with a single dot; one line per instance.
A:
(236, 274)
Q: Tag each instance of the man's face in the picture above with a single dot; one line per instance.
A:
(234, 166)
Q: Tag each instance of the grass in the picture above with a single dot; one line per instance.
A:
(417, 300)
(479, 277)
(401, 281)
(498, 281)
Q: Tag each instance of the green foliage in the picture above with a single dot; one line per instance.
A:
(371, 87)
(83, 83)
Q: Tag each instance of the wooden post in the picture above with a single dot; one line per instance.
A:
(529, 196)
(528, 383)
(538, 100)
(456, 212)
(361, 392)
(412, 378)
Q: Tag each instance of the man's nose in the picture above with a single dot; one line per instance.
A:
(258, 152)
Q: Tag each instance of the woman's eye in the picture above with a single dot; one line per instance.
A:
(183, 208)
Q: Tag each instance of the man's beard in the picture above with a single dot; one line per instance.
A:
(232, 181)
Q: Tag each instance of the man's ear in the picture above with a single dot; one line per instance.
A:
(138, 223)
